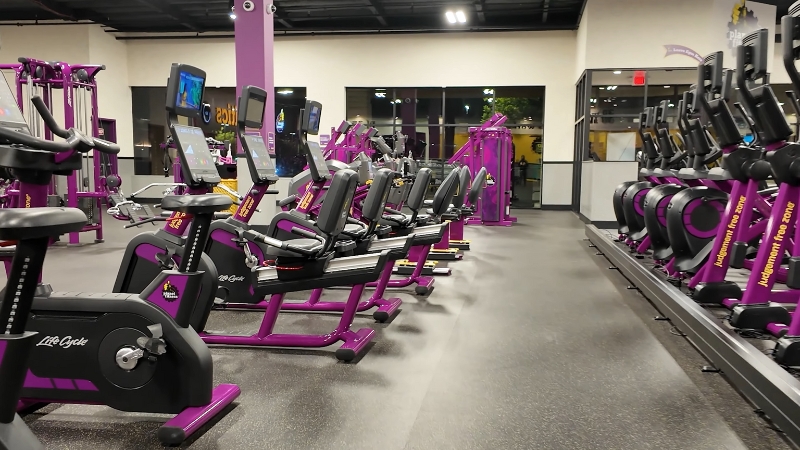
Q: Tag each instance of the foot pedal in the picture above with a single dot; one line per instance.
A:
(738, 254)
(715, 293)
(793, 275)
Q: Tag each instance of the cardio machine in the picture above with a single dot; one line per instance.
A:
(134, 353)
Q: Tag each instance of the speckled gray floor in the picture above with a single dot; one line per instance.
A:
(528, 345)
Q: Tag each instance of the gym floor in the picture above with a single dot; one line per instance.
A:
(532, 343)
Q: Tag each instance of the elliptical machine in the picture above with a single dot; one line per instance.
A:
(134, 353)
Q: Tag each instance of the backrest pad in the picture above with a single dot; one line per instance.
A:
(443, 195)
(336, 206)
(464, 177)
(372, 208)
(418, 190)
(477, 186)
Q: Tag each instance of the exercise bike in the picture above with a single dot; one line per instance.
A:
(133, 353)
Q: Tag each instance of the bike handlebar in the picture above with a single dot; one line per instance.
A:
(39, 144)
(89, 143)
(48, 118)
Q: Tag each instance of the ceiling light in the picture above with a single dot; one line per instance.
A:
(466, 107)
(630, 127)
(615, 105)
(462, 18)
(380, 94)
(671, 105)
(451, 17)
(666, 87)
(623, 100)
(488, 92)
(397, 100)
(489, 100)
(602, 88)
(285, 92)
(617, 72)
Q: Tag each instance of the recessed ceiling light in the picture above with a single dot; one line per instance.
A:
(667, 86)
(615, 104)
(617, 72)
(462, 18)
(451, 17)
(602, 88)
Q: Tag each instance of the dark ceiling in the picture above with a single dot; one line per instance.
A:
(303, 16)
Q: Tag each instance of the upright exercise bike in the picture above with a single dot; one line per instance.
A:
(134, 353)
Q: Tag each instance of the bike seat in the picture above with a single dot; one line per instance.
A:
(17, 224)
(196, 204)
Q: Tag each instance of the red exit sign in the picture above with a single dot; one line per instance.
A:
(639, 77)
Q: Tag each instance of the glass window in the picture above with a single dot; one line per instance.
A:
(615, 105)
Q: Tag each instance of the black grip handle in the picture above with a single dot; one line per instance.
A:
(304, 233)
(48, 118)
(272, 191)
(794, 168)
(36, 143)
(104, 146)
(393, 211)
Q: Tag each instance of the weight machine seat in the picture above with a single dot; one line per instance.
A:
(302, 243)
(196, 204)
(17, 224)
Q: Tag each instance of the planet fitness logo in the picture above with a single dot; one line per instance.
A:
(743, 21)
(170, 292)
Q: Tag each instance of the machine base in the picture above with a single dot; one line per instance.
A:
(447, 254)
(406, 267)
(758, 317)
(459, 244)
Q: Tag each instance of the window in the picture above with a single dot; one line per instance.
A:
(615, 106)
(437, 122)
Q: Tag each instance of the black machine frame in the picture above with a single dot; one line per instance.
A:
(769, 386)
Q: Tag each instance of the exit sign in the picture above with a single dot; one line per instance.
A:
(639, 77)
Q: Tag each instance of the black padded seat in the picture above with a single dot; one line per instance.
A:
(196, 204)
(301, 243)
(17, 224)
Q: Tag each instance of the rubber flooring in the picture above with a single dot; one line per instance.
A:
(530, 344)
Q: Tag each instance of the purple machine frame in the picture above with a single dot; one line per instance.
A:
(489, 146)
(81, 114)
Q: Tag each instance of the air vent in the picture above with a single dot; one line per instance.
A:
(794, 10)
(751, 38)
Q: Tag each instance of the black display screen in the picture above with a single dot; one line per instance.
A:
(10, 115)
(313, 120)
(318, 157)
(255, 111)
(196, 156)
(259, 155)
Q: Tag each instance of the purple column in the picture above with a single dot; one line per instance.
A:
(408, 115)
(254, 62)
(434, 129)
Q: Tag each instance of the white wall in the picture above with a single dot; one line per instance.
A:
(113, 90)
(79, 44)
(620, 35)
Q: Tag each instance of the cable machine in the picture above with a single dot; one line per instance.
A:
(89, 188)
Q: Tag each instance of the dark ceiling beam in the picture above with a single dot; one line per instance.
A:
(376, 8)
(282, 21)
(177, 15)
(546, 7)
(480, 6)
(55, 8)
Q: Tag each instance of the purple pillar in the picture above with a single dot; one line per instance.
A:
(408, 116)
(254, 62)
(434, 129)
